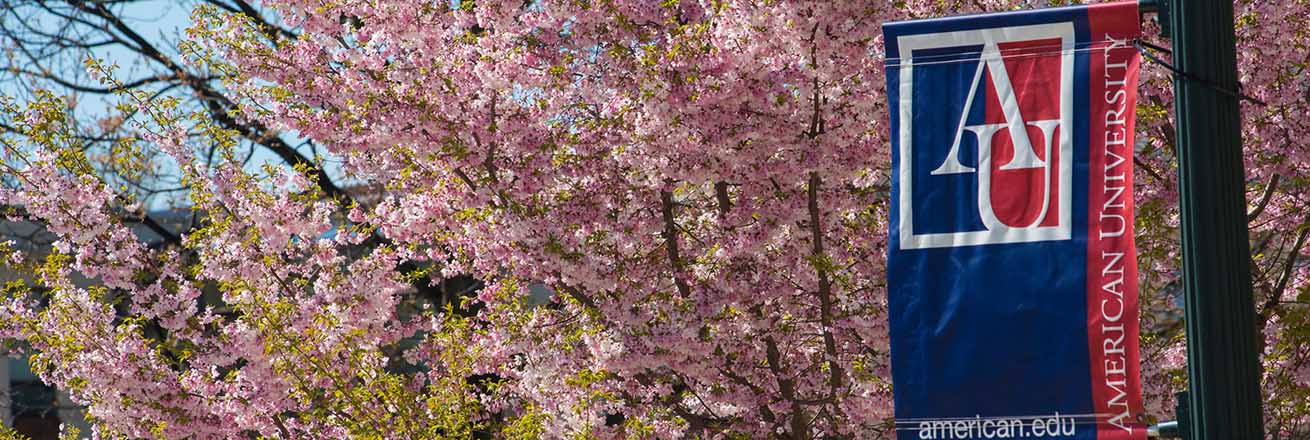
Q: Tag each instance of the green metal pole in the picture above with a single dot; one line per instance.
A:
(1222, 362)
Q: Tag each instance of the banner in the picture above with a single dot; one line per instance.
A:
(1012, 273)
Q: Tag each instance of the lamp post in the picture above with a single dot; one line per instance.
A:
(1222, 363)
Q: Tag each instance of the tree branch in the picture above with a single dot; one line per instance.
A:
(1264, 198)
(671, 243)
(722, 198)
(219, 106)
(787, 388)
(825, 288)
(1285, 274)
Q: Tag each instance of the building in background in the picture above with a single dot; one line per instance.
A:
(28, 405)
(33, 408)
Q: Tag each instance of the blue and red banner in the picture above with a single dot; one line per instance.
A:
(1012, 273)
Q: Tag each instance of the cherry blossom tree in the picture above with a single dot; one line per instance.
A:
(698, 189)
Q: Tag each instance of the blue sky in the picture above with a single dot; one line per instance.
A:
(164, 23)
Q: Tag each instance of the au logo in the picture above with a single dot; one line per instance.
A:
(985, 136)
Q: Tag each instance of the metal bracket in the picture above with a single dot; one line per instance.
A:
(1163, 430)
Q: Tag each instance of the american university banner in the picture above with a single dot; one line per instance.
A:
(1012, 273)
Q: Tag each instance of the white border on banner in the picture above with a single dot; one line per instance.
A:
(996, 233)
